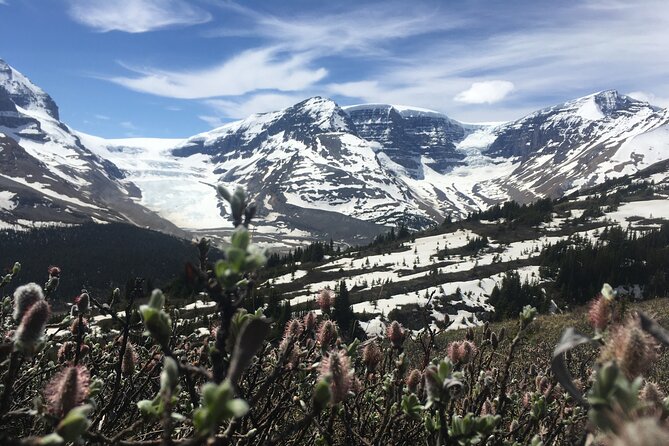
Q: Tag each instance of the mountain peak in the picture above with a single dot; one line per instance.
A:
(324, 112)
(24, 93)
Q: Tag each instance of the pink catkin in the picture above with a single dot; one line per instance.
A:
(632, 349)
(33, 323)
(25, 297)
(325, 299)
(67, 390)
(395, 334)
(371, 356)
(599, 313)
(461, 351)
(327, 334)
(294, 329)
(310, 321)
(337, 366)
(413, 380)
(129, 360)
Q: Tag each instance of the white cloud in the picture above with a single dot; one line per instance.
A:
(251, 70)
(440, 58)
(242, 107)
(365, 29)
(582, 48)
(102, 117)
(650, 98)
(486, 92)
(136, 16)
(3, 2)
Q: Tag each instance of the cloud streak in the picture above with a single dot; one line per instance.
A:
(492, 66)
(249, 71)
(136, 16)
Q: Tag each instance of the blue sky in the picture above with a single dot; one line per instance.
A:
(173, 68)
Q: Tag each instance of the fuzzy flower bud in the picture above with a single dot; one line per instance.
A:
(83, 302)
(487, 408)
(467, 351)
(24, 297)
(54, 271)
(395, 334)
(310, 321)
(371, 356)
(337, 368)
(325, 299)
(599, 313)
(632, 349)
(327, 334)
(652, 395)
(67, 390)
(494, 340)
(65, 352)
(461, 352)
(413, 380)
(129, 360)
(31, 328)
(74, 326)
(293, 329)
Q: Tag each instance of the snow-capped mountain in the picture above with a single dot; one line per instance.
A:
(47, 176)
(580, 143)
(316, 170)
(319, 170)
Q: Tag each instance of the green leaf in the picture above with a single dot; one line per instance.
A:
(238, 407)
(51, 440)
(241, 238)
(75, 423)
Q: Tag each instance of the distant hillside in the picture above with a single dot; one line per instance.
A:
(96, 257)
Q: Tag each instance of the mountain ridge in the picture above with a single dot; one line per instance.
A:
(367, 166)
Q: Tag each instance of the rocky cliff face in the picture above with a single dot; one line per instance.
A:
(408, 136)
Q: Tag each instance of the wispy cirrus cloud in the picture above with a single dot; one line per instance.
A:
(457, 60)
(578, 49)
(251, 70)
(364, 29)
(136, 16)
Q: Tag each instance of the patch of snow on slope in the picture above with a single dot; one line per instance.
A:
(644, 209)
(589, 110)
(7, 202)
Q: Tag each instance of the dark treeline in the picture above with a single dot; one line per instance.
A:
(96, 257)
(402, 233)
(578, 267)
(525, 214)
(313, 252)
(509, 297)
